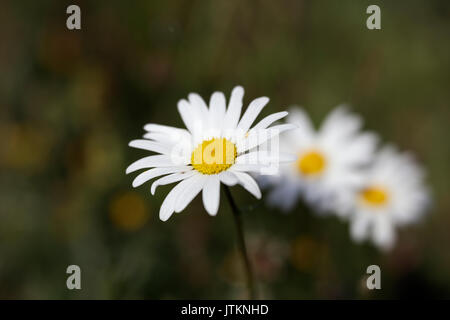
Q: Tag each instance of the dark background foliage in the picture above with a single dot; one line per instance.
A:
(71, 100)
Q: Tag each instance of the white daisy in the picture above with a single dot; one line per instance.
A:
(393, 195)
(329, 164)
(218, 147)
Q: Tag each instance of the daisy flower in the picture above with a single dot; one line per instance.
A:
(329, 165)
(393, 195)
(218, 146)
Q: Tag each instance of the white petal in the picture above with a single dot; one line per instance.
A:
(284, 157)
(258, 137)
(149, 162)
(257, 168)
(254, 157)
(234, 108)
(267, 121)
(150, 146)
(263, 157)
(156, 172)
(304, 134)
(197, 101)
(199, 115)
(211, 195)
(228, 178)
(248, 183)
(158, 137)
(188, 194)
(359, 227)
(340, 124)
(360, 149)
(171, 179)
(153, 127)
(216, 112)
(168, 205)
(169, 138)
(217, 103)
(299, 117)
(252, 113)
(186, 114)
(383, 233)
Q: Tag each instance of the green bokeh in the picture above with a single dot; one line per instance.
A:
(71, 100)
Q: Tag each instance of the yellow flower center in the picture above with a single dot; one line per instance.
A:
(214, 156)
(311, 163)
(374, 196)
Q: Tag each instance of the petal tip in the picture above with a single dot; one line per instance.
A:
(238, 89)
(164, 217)
(212, 212)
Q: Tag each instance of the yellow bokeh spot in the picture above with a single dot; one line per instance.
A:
(311, 163)
(128, 211)
(26, 146)
(214, 156)
(374, 196)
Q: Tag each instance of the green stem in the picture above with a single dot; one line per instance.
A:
(241, 243)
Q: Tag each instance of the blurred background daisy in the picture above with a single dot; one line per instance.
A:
(330, 164)
(70, 101)
(393, 193)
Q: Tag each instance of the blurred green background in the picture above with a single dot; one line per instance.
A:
(70, 101)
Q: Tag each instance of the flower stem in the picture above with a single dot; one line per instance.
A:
(241, 242)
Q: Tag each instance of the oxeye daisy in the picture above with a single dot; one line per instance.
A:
(218, 146)
(393, 194)
(329, 164)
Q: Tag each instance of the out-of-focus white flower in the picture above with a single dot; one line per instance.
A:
(393, 195)
(330, 162)
(218, 147)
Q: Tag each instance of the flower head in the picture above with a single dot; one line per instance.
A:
(393, 194)
(330, 161)
(218, 147)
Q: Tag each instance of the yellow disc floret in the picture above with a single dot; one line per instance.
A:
(214, 156)
(374, 196)
(311, 163)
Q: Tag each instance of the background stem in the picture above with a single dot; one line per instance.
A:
(241, 243)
